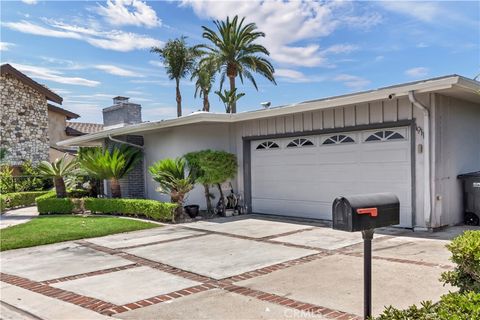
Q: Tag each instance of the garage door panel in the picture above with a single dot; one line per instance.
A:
(304, 181)
(303, 209)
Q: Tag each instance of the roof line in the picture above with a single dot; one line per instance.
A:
(49, 94)
(69, 114)
(423, 86)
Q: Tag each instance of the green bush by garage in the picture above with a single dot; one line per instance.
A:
(19, 199)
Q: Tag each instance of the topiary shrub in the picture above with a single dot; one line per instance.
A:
(466, 254)
(156, 210)
(50, 204)
(455, 305)
(19, 199)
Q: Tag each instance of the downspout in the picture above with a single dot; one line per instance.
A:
(427, 207)
(125, 142)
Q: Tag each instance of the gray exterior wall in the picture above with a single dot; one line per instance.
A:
(175, 142)
(457, 151)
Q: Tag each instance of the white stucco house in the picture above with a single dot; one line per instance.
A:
(412, 139)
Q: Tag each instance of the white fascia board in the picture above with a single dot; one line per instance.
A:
(202, 117)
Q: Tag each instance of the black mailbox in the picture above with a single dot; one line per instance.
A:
(364, 212)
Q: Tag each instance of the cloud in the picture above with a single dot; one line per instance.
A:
(417, 72)
(54, 76)
(421, 10)
(292, 28)
(30, 1)
(109, 40)
(5, 46)
(129, 12)
(352, 81)
(290, 75)
(156, 63)
(117, 70)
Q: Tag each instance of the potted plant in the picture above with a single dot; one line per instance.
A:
(192, 210)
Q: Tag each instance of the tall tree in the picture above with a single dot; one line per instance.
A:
(110, 164)
(204, 75)
(232, 47)
(179, 60)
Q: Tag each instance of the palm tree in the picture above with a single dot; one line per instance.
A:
(229, 98)
(58, 170)
(234, 51)
(204, 74)
(110, 164)
(174, 180)
(179, 60)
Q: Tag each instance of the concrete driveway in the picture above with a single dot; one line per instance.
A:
(231, 268)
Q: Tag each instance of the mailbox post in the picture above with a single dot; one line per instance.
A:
(365, 213)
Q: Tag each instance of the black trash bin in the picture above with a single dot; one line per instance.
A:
(471, 197)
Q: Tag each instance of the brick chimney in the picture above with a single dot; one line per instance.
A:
(122, 113)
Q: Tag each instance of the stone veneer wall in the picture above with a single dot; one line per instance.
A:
(23, 122)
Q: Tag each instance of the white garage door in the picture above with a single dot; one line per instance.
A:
(302, 176)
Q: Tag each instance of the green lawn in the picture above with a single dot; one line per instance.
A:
(45, 230)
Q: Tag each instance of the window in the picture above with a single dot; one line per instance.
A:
(338, 139)
(267, 145)
(385, 135)
(301, 142)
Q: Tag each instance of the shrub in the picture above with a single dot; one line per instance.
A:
(466, 254)
(455, 305)
(50, 204)
(153, 209)
(19, 199)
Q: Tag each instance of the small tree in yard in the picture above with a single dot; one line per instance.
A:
(229, 98)
(174, 179)
(212, 167)
(58, 170)
(110, 164)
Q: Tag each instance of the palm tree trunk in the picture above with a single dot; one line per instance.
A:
(206, 103)
(115, 188)
(60, 187)
(233, 107)
(179, 98)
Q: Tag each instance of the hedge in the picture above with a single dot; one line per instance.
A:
(50, 204)
(153, 209)
(466, 255)
(455, 305)
(19, 199)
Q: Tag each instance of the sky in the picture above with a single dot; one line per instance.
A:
(90, 51)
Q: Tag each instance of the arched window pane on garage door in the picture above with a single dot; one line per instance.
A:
(338, 139)
(301, 142)
(385, 135)
(267, 145)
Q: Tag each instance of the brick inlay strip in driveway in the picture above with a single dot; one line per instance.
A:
(90, 274)
(90, 303)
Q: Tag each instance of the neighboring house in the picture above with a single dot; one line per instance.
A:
(24, 117)
(57, 124)
(411, 139)
(31, 126)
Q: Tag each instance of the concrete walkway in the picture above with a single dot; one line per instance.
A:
(17, 216)
(240, 268)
